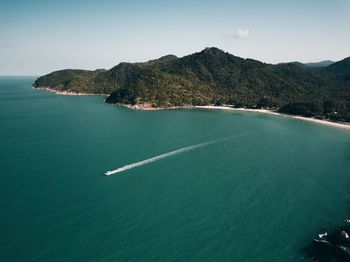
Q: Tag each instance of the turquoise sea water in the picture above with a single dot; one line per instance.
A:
(261, 194)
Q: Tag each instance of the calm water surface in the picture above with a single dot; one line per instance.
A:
(259, 195)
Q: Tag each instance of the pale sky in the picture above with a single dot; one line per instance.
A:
(38, 37)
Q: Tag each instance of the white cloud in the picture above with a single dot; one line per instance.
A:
(242, 33)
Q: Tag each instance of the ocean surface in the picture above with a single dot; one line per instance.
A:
(251, 187)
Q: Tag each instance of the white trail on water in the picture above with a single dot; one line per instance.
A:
(169, 154)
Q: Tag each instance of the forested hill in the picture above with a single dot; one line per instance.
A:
(213, 76)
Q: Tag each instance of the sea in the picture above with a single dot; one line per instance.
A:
(191, 185)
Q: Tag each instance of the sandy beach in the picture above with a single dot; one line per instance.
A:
(345, 126)
(146, 107)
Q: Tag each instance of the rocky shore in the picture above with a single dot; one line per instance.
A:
(331, 246)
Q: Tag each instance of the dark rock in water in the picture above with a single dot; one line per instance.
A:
(339, 237)
(332, 247)
(344, 235)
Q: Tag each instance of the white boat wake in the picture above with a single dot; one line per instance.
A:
(169, 154)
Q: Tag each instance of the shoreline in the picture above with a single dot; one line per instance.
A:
(345, 126)
(148, 107)
(341, 125)
(66, 93)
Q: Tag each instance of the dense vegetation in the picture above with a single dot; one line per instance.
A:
(215, 77)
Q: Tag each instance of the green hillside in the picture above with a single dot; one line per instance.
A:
(213, 76)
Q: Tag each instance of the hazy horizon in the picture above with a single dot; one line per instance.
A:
(40, 37)
(153, 59)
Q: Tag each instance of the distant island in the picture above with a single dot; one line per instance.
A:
(214, 77)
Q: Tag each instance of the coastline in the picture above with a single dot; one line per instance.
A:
(66, 93)
(345, 126)
(149, 107)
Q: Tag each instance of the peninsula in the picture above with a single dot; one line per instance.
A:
(215, 77)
